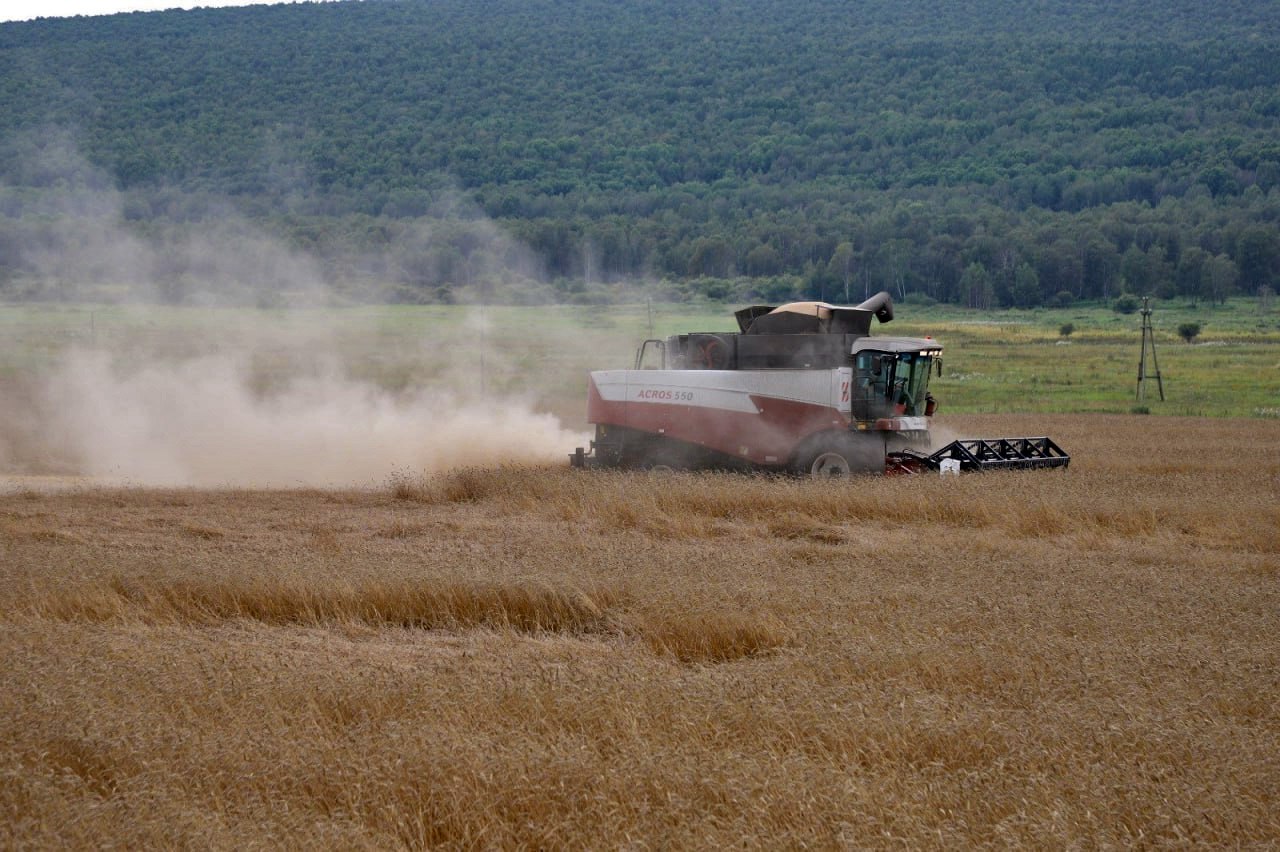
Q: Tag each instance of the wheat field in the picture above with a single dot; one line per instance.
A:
(548, 658)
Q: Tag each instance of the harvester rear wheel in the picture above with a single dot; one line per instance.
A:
(662, 456)
(662, 461)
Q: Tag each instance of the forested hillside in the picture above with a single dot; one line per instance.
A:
(977, 152)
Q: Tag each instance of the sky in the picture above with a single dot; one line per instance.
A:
(26, 10)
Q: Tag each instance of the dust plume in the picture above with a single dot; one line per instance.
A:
(201, 423)
(940, 435)
(180, 396)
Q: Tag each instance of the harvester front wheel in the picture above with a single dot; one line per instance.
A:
(838, 455)
(829, 465)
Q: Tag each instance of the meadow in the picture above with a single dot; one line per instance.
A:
(1003, 361)
(541, 657)
(529, 656)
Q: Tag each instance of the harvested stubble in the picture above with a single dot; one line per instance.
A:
(550, 658)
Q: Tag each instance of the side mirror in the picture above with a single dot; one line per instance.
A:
(938, 362)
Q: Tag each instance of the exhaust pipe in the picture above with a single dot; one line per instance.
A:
(881, 304)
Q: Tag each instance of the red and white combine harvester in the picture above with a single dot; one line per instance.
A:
(803, 388)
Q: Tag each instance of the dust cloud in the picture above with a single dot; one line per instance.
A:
(940, 436)
(200, 423)
(196, 412)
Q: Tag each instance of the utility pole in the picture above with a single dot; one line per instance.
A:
(1148, 341)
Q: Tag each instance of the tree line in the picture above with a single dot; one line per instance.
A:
(985, 153)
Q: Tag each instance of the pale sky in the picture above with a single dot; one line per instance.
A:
(26, 10)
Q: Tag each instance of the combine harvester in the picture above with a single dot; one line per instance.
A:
(801, 388)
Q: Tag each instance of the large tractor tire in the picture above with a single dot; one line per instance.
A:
(836, 455)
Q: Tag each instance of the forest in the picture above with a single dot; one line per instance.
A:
(980, 153)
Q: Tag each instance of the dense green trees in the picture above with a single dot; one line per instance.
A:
(979, 154)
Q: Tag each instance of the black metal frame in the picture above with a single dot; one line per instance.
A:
(995, 454)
